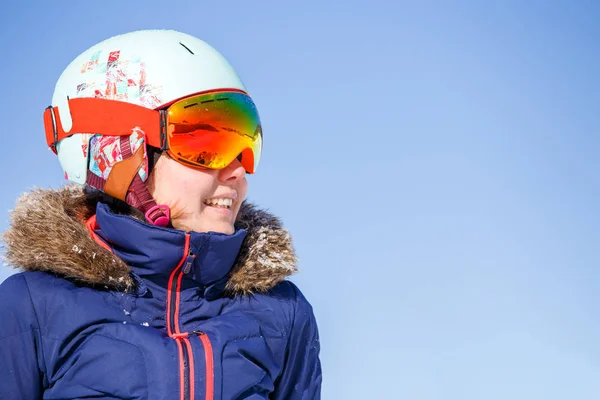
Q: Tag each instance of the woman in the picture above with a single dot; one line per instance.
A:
(156, 281)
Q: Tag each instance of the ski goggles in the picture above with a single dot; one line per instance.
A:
(206, 130)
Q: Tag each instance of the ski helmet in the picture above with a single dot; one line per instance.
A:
(148, 68)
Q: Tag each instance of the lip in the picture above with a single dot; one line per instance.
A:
(226, 212)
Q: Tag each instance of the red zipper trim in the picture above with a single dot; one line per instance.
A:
(182, 338)
(172, 320)
(178, 290)
(181, 370)
(173, 325)
(210, 368)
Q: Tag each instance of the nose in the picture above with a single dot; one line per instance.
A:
(233, 172)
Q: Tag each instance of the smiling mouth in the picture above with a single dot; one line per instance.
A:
(219, 203)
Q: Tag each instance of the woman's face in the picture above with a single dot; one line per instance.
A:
(201, 200)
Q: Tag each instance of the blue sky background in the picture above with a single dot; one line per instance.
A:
(436, 162)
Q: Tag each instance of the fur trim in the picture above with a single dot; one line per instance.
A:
(47, 233)
(266, 255)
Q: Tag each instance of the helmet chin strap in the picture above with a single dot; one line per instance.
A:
(136, 193)
(138, 196)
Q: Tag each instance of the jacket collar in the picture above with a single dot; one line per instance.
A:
(153, 252)
(47, 232)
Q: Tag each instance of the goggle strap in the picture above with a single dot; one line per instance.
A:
(105, 117)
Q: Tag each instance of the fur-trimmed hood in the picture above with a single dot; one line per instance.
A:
(48, 233)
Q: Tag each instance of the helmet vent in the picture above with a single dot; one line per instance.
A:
(187, 48)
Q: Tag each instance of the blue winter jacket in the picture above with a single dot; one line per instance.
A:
(119, 309)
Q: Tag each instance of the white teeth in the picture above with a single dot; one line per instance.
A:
(219, 202)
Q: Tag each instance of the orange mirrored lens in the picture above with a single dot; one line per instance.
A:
(213, 129)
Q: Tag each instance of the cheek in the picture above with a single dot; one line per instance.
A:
(187, 191)
(174, 186)
(242, 188)
(173, 190)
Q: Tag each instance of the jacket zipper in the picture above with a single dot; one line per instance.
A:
(184, 346)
